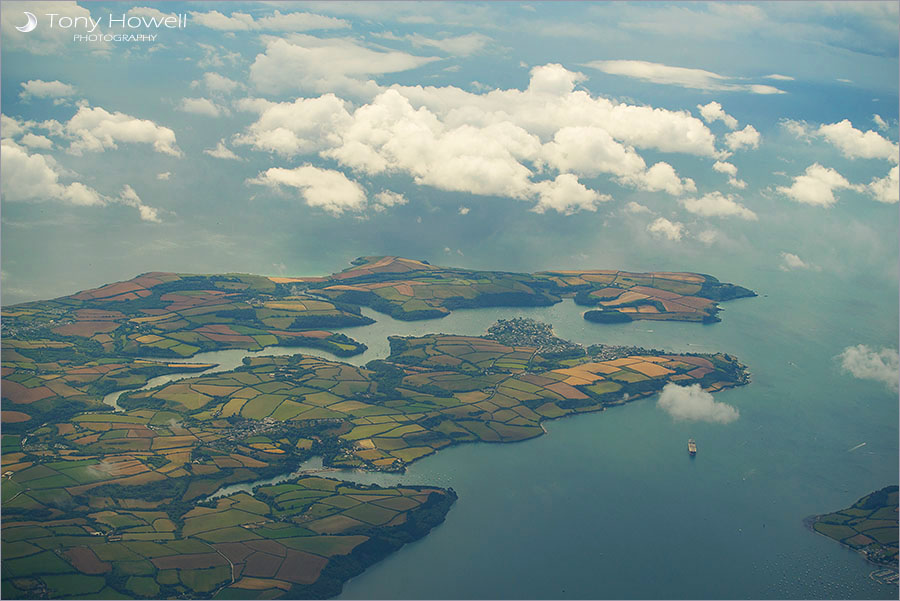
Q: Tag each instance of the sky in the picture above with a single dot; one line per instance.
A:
(751, 141)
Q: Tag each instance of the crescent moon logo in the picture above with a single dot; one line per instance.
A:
(32, 23)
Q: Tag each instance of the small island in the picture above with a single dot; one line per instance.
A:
(869, 526)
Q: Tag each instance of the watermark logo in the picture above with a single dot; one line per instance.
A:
(32, 23)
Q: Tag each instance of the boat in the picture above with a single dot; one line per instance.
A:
(692, 447)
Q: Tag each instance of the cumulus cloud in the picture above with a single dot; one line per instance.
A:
(36, 88)
(778, 77)
(747, 137)
(714, 112)
(856, 144)
(692, 403)
(790, 262)
(164, 176)
(295, 21)
(493, 144)
(222, 152)
(464, 210)
(816, 186)
(202, 106)
(327, 189)
(37, 179)
(716, 204)
(868, 364)
(130, 198)
(662, 227)
(36, 141)
(684, 77)
(303, 62)
(217, 84)
(884, 189)
(636, 208)
(95, 130)
(304, 126)
(567, 195)
(730, 170)
(880, 123)
(386, 199)
(660, 177)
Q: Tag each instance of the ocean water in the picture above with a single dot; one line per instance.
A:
(610, 505)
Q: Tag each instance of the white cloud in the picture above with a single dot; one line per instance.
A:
(386, 199)
(95, 130)
(748, 137)
(37, 179)
(868, 364)
(880, 123)
(678, 76)
(130, 198)
(218, 84)
(10, 127)
(695, 404)
(714, 112)
(300, 127)
(855, 144)
(660, 177)
(296, 21)
(716, 204)
(636, 208)
(816, 186)
(799, 129)
(36, 88)
(723, 167)
(672, 230)
(303, 62)
(464, 45)
(709, 237)
(222, 152)
(327, 189)
(201, 106)
(730, 170)
(567, 195)
(885, 189)
(464, 210)
(164, 176)
(36, 141)
(790, 262)
(491, 143)
(778, 77)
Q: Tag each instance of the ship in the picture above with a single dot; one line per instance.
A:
(692, 447)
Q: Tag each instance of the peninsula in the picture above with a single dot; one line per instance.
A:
(116, 504)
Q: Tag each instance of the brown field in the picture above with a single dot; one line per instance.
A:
(333, 524)
(262, 565)
(86, 561)
(85, 328)
(260, 584)
(22, 395)
(14, 417)
(301, 567)
(566, 391)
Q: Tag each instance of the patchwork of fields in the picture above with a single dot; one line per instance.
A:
(102, 504)
(870, 526)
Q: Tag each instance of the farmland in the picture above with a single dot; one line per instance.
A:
(111, 504)
(868, 526)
